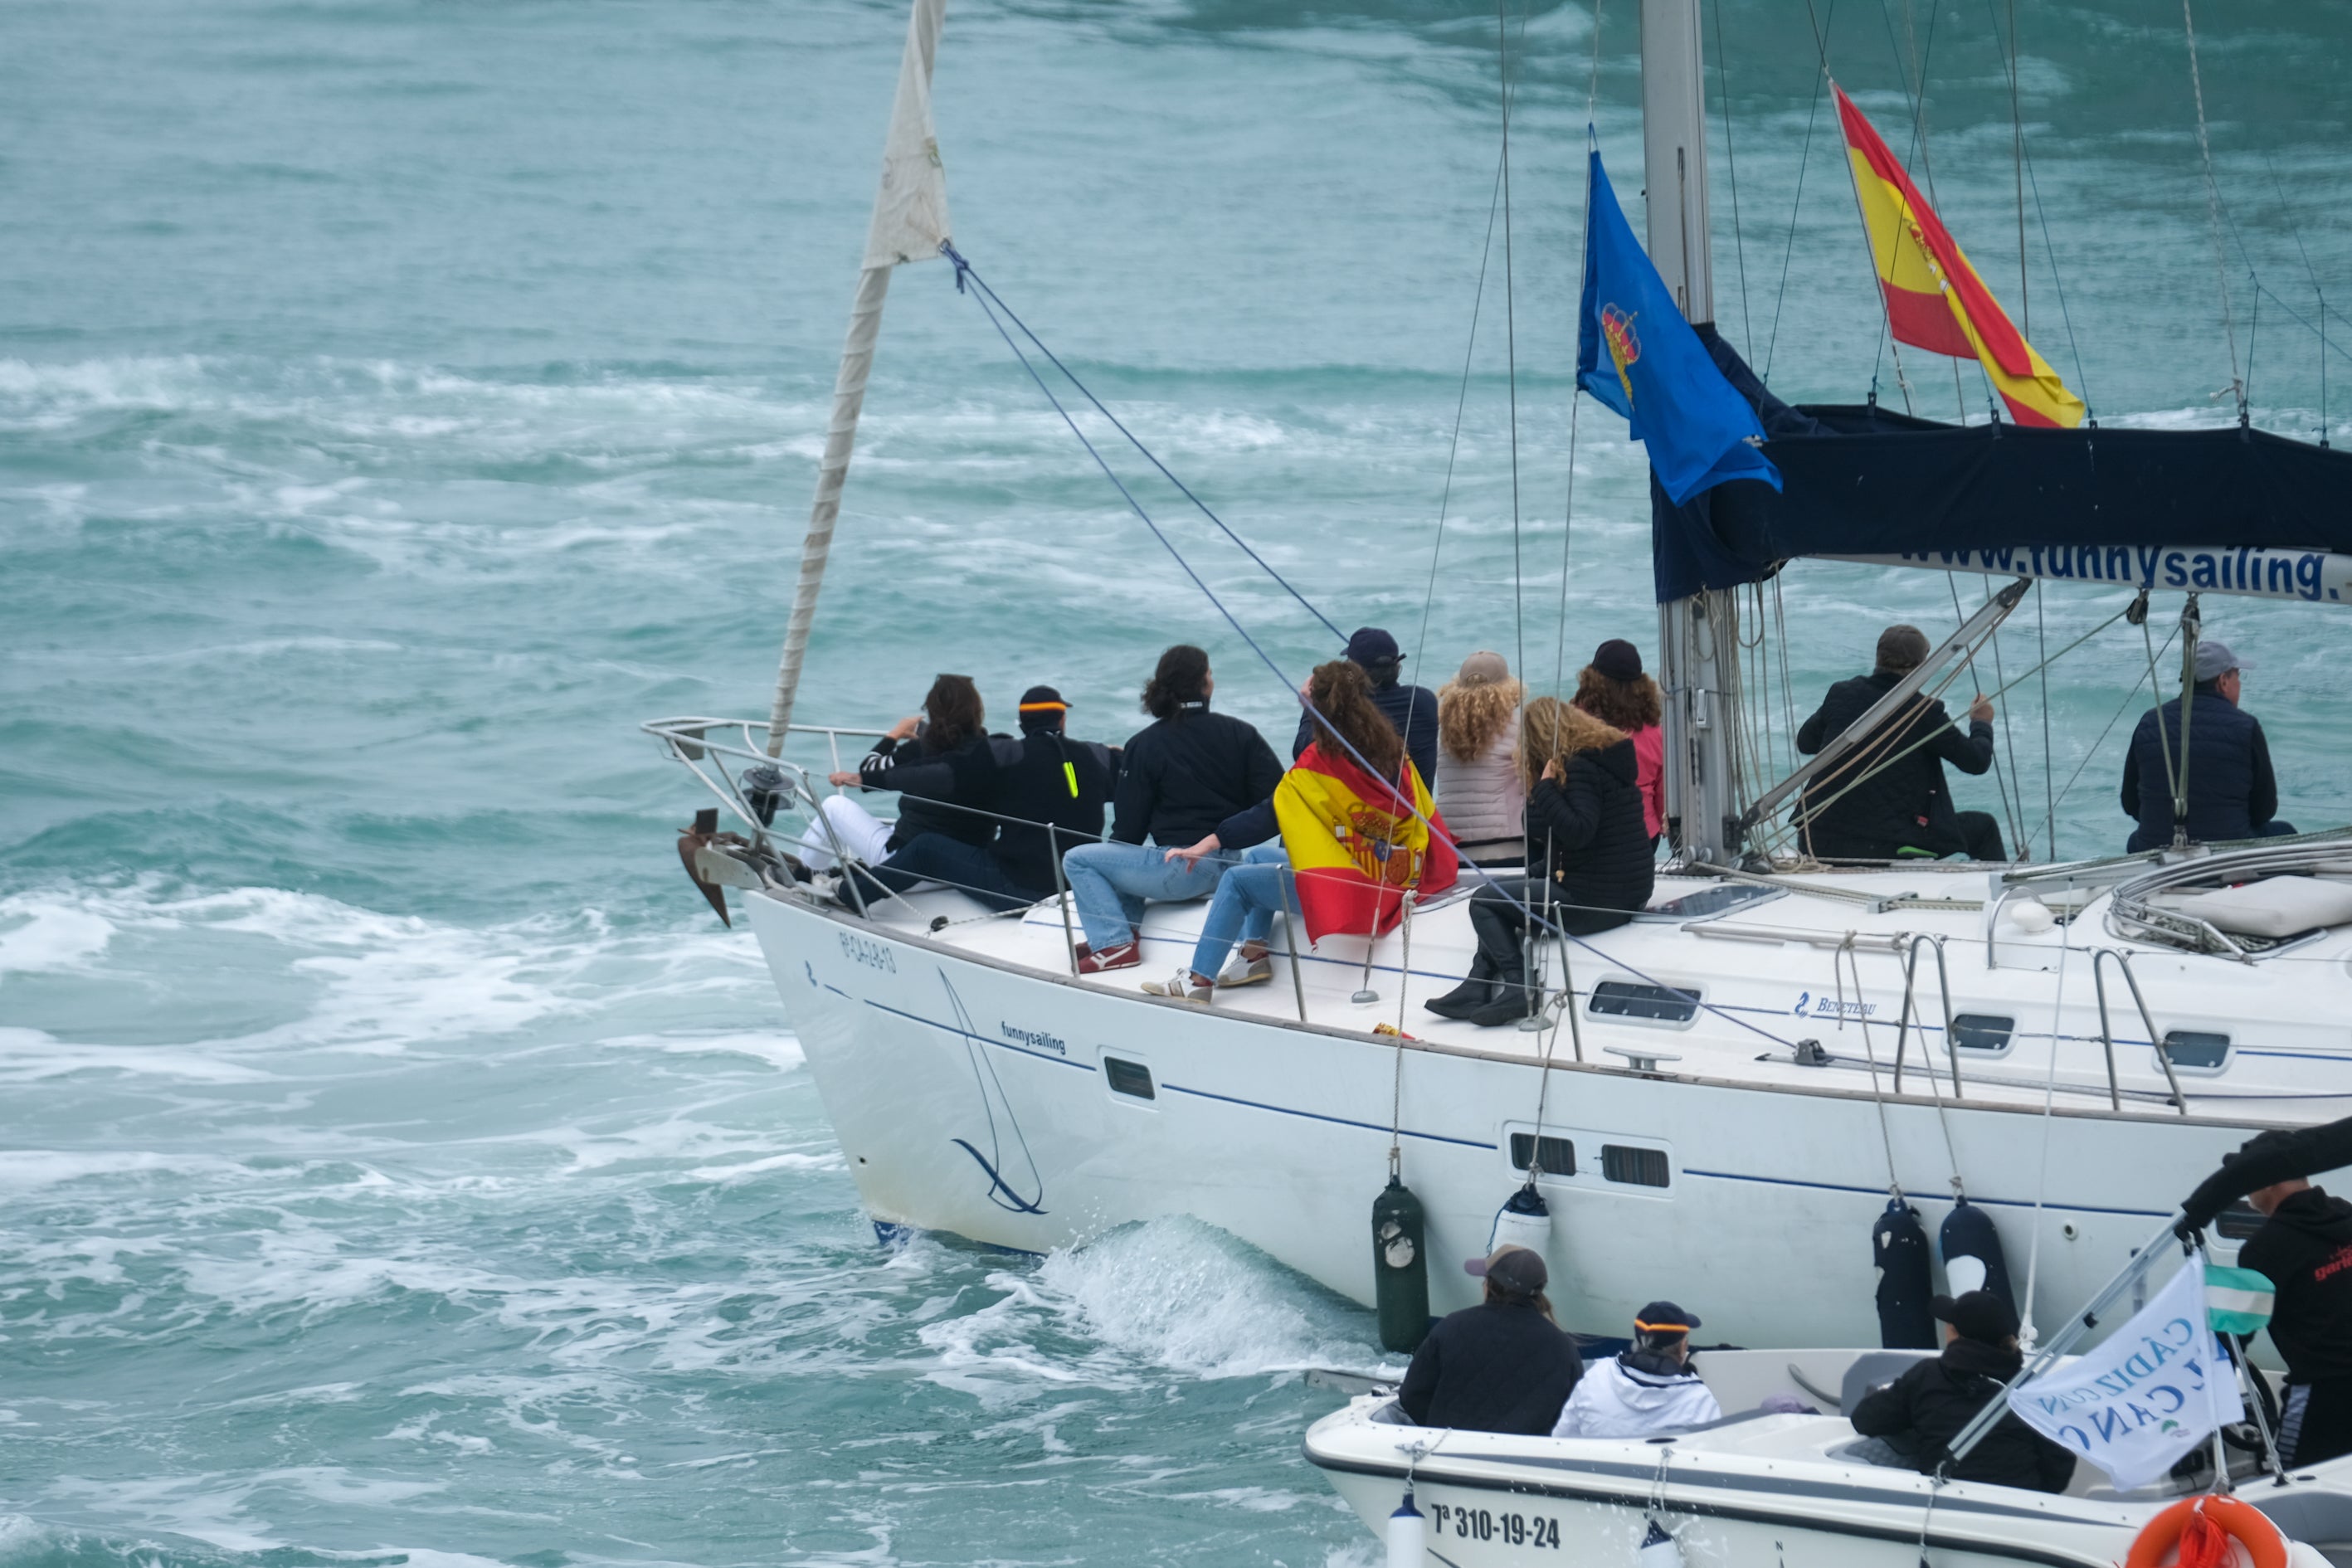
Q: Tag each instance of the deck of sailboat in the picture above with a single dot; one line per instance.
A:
(1814, 959)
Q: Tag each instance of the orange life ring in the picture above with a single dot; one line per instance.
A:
(2241, 1521)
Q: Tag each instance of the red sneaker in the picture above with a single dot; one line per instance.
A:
(1125, 956)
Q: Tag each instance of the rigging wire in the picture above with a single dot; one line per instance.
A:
(2153, 653)
(2048, 755)
(2213, 207)
(1738, 245)
(2311, 272)
(2017, 155)
(2012, 816)
(1510, 340)
(964, 270)
(1461, 402)
(1575, 409)
(1788, 251)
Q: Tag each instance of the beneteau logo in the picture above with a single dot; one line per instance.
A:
(1812, 1007)
(1624, 345)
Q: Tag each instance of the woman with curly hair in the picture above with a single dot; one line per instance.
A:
(1349, 725)
(1584, 821)
(1477, 785)
(1614, 690)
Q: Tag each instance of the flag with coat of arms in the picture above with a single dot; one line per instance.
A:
(1636, 353)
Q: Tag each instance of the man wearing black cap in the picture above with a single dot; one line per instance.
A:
(1413, 710)
(1885, 799)
(2304, 1249)
(1648, 1389)
(1500, 1366)
(1921, 1411)
(2233, 793)
(1047, 790)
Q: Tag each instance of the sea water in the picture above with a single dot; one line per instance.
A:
(399, 402)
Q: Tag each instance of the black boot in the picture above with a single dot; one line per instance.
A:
(1475, 992)
(1513, 999)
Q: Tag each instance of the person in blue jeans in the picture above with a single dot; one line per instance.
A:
(1249, 894)
(1186, 772)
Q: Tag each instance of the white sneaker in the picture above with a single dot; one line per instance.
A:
(1246, 972)
(1181, 987)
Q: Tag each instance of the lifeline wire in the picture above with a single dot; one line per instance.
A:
(1535, 921)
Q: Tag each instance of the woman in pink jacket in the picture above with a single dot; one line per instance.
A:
(1614, 690)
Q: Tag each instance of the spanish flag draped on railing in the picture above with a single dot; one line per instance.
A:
(1355, 848)
(1935, 301)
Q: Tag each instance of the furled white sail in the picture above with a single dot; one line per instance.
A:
(910, 224)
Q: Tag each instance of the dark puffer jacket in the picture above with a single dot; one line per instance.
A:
(1502, 1367)
(1932, 1403)
(1904, 804)
(1601, 850)
(2233, 793)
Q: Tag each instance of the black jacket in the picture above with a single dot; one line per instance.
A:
(1901, 805)
(2305, 1249)
(1600, 851)
(1496, 1367)
(2232, 791)
(934, 784)
(1412, 709)
(1929, 1404)
(1185, 774)
(1040, 778)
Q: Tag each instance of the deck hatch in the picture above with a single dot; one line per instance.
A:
(1635, 1167)
(1128, 1078)
(1655, 1004)
(1559, 1153)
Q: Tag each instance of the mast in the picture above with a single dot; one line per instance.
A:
(910, 224)
(1698, 635)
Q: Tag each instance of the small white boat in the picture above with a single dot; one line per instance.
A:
(1762, 1490)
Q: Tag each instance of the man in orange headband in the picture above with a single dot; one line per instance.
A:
(1648, 1390)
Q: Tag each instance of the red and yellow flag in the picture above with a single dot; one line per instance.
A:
(1354, 846)
(1935, 301)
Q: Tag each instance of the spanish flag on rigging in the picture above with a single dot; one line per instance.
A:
(1354, 847)
(1935, 301)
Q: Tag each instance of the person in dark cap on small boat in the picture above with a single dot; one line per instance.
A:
(2233, 793)
(2304, 1249)
(1413, 710)
(1921, 1411)
(1646, 1391)
(1501, 1366)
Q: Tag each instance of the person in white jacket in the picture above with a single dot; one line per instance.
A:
(1478, 789)
(1647, 1391)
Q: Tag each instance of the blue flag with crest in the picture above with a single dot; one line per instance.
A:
(1636, 353)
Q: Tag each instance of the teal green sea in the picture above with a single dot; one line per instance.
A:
(399, 401)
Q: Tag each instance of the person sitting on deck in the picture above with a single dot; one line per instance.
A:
(2233, 793)
(1180, 776)
(1614, 690)
(952, 731)
(1921, 1411)
(1411, 711)
(1501, 1366)
(1045, 795)
(1478, 784)
(1584, 811)
(1886, 799)
(1249, 896)
(1645, 1390)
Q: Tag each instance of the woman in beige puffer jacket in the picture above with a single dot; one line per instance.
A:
(1478, 788)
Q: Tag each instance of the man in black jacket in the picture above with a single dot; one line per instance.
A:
(2233, 793)
(1500, 1366)
(1042, 794)
(2304, 1248)
(1921, 1411)
(1885, 799)
(1412, 709)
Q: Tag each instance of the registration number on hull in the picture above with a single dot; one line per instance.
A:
(1487, 1524)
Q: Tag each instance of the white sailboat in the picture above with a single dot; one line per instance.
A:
(1723, 1096)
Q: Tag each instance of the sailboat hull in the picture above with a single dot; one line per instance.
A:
(1025, 1109)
